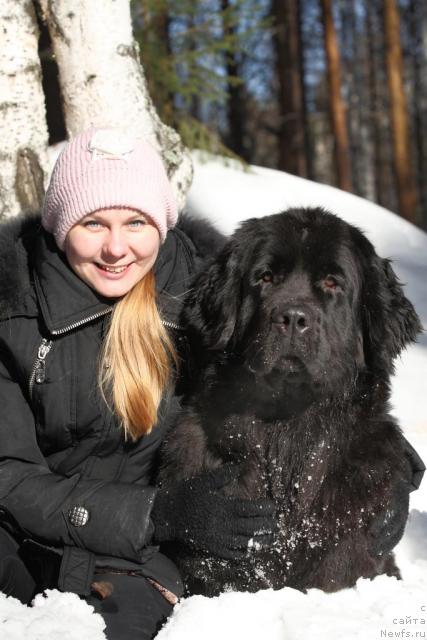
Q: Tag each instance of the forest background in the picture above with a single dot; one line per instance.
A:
(331, 90)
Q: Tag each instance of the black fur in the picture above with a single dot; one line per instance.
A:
(16, 241)
(207, 240)
(293, 331)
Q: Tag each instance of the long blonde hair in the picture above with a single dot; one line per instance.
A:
(135, 367)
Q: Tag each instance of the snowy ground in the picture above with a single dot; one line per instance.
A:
(383, 608)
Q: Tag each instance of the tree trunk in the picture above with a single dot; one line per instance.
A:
(337, 106)
(406, 189)
(156, 53)
(292, 137)
(353, 47)
(374, 107)
(236, 112)
(23, 130)
(379, 125)
(418, 60)
(102, 80)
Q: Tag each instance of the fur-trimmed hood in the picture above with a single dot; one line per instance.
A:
(17, 239)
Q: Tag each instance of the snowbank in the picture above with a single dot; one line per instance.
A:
(370, 610)
(57, 616)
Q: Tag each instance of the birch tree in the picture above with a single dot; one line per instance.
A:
(23, 129)
(102, 80)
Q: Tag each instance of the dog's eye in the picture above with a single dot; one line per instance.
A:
(330, 283)
(266, 276)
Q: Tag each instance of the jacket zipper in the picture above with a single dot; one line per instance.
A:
(38, 373)
(58, 332)
(172, 325)
(79, 323)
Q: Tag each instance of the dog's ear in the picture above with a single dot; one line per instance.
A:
(390, 321)
(211, 309)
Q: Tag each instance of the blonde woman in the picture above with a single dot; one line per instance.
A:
(88, 298)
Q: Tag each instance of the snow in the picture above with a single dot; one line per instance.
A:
(56, 615)
(382, 608)
(364, 612)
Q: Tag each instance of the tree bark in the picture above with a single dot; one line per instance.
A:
(23, 130)
(292, 137)
(374, 106)
(102, 80)
(155, 36)
(418, 60)
(406, 188)
(336, 102)
(236, 108)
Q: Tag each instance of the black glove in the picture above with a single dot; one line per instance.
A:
(196, 514)
(417, 465)
(388, 526)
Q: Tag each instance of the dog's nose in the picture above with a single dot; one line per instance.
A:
(291, 319)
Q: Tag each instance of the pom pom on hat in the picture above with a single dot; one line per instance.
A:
(106, 168)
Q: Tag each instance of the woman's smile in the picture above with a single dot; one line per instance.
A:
(113, 270)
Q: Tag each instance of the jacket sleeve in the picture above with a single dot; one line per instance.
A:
(40, 501)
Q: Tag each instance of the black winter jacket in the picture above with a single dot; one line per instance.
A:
(60, 447)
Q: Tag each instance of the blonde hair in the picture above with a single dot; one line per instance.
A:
(136, 360)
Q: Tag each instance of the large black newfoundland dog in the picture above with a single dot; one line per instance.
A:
(293, 331)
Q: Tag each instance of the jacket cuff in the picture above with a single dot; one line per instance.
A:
(111, 519)
(76, 572)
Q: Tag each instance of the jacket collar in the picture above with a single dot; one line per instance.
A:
(67, 302)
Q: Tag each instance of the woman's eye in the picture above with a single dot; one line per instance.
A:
(135, 224)
(92, 224)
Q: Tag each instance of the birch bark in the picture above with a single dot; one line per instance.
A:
(102, 80)
(23, 129)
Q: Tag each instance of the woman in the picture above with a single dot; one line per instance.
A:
(85, 387)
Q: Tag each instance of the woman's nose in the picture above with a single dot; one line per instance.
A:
(115, 244)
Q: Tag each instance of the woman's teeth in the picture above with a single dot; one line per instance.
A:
(113, 269)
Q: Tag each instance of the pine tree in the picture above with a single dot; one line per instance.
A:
(195, 80)
(336, 102)
(292, 139)
(406, 187)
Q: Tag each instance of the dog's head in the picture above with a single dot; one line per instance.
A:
(302, 294)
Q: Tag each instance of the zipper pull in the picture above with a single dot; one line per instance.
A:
(40, 372)
(40, 375)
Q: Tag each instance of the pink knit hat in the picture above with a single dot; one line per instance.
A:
(104, 168)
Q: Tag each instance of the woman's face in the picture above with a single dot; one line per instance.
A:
(112, 249)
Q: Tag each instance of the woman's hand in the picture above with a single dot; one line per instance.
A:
(197, 514)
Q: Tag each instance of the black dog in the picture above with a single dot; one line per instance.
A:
(293, 331)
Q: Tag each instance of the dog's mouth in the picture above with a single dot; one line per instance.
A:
(290, 365)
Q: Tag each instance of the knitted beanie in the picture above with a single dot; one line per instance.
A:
(105, 168)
